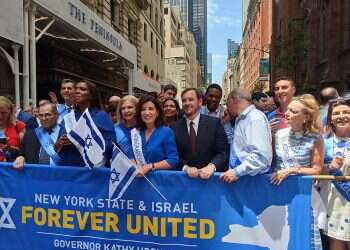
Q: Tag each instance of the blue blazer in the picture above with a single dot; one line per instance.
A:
(160, 146)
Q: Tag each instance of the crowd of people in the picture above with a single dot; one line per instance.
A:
(253, 133)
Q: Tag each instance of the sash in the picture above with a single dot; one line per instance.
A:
(47, 144)
(343, 187)
(123, 140)
(287, 155)
(61, 108)
(69, 121)
(136, 142)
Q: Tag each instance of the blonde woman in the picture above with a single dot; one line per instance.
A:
(126, 113)
(11, 131)
(299, 148)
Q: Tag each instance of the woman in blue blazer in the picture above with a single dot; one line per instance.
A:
(153, 144)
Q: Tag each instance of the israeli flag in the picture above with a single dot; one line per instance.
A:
(88, 140)
(123, 173)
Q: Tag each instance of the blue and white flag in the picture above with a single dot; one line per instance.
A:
(122, 173)
(88, 140)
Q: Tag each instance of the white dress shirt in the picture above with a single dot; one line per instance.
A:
(195, 123)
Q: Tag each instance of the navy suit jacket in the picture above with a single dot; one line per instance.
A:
(211, 144)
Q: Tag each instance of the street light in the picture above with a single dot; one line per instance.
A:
(264, 51)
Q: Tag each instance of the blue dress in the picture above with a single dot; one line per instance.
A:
(160, 146)
(70, 155)
(123, 139)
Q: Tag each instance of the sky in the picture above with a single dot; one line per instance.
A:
(224, 22)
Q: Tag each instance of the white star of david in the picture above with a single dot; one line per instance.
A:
(5, 220)
(114, 176)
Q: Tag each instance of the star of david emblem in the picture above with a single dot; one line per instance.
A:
(88, 141)
(5, 219)
(114, 176)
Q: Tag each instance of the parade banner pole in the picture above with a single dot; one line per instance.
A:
(330, 178)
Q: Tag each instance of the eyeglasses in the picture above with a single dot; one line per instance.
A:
(339, 100)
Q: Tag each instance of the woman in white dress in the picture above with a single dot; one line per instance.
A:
(337, 158)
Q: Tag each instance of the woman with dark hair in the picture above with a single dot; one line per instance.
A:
(86, 98)
(153, 144)
(171, 110)
(337, 160)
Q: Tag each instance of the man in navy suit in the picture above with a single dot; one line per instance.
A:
(201, 140)
(31, 150)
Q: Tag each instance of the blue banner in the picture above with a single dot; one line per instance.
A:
(68, 208)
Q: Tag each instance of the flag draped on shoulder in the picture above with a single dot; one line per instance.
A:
(122, 174)
(88, 140)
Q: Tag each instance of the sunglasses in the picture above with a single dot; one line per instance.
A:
(339, 100)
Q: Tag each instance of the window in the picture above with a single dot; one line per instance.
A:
(115, 14)
(151, 39)
(145, 32)
(145, 69)
(165, 11)
(152, 73)
(151, 13)
(132, 31)
(157, 46)
(156, 19)
(323, 35)
(161, 52)
(157, 77)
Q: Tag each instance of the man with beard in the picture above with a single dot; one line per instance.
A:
(212, 105)
(201, 140)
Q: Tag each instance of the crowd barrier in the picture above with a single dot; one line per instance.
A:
(45, 207)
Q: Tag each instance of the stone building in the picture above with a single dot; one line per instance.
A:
(311, 43)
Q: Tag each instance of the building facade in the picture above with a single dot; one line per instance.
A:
(209, 69)
(232, 48)
(98, 40)
(141, 23)
(183, 6)
(311, 41)
(194, 14)
(180, 51)
(11, 42)
(256, 44)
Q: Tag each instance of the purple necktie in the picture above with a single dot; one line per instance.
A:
(193, 137)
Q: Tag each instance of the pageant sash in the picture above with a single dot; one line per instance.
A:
(288, 158)
(122, 139)
(47, 144)
(61, 108)
(137, 147)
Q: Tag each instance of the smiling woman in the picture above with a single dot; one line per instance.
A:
(86, 98)
(337, 159)
(153, 144)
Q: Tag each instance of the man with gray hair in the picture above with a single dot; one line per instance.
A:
(38, 145)
(251, 145)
